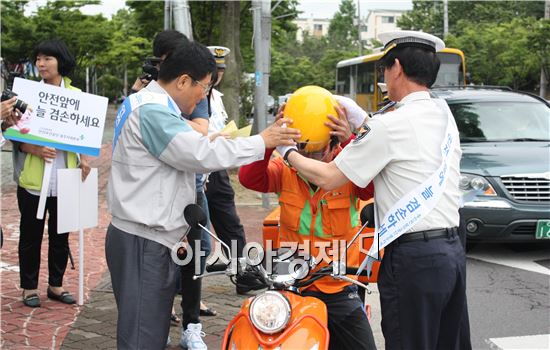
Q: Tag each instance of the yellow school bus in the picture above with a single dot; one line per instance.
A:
(357, 77)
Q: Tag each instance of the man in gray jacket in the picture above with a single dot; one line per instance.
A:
(155, 157)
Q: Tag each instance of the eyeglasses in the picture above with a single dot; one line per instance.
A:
(206, 88)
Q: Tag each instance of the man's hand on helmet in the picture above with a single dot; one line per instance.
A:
(355, 114)
(279, 135)
(340, 126)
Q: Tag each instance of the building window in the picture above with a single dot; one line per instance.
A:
(317, 27)
(388, 19)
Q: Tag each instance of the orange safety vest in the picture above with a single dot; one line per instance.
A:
(316, 219)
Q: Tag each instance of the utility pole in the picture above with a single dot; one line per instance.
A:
(543, 78)
(182, 18)
(359, 27)
(445, 18)
(167, 14)
(261, 14)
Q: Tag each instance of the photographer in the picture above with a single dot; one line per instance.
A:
(9, 117)
(164, 44)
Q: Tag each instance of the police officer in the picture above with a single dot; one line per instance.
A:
(412, 154)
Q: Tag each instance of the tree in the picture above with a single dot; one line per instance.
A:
(342, 32)
(505, 42)
(17, 32)
(427, 16)
(230, 37)
(148, 17)
(508, 54)
(124, 54)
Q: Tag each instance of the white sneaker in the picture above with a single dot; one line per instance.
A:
(191, 338)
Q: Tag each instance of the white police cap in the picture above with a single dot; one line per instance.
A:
(403, 38)
(219, 53)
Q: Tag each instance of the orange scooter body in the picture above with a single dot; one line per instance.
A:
(270, 231)
(306, 329)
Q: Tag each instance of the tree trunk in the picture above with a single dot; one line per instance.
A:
(230, 38)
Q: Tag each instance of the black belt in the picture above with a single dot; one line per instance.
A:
(427, 235)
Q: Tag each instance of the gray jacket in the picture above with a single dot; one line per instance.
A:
(153, 169)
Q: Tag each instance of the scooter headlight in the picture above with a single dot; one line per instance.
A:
(270, 312)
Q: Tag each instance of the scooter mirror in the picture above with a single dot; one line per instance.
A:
(367, 214)
(194, 215)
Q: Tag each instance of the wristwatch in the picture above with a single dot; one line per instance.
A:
(285, 157)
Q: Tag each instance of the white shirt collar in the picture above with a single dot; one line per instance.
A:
(153, 86)
(415, 96)
(62, 85)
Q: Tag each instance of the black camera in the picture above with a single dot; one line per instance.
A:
(19, 104)
(150, 68)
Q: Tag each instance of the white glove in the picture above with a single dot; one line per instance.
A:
(356, 114)
(284, 149)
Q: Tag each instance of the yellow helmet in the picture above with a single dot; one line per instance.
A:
(308, 107)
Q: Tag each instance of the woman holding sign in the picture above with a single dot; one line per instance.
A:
(54, 63)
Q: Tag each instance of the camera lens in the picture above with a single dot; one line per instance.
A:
(21, 106)
(7, 94)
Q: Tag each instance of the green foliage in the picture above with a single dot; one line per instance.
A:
(428, 15)
(148, 17)
(342, 32)
(312, 62)
(109, 86)
(505, 42)
(509, 54)
(17, 32)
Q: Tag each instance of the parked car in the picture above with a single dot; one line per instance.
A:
(505, 165)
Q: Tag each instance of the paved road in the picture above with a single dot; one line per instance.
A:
(508, 296)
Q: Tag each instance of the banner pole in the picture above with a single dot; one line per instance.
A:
(44, 190)
(81, 267)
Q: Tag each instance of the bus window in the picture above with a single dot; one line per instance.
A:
(366, 86)
(365, 78)
(342, 80)
(450, 70)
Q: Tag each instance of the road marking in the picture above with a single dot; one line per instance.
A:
(530, 342)
(9, 267)
(507, 257)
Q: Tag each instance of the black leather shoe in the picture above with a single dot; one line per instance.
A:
(31, 300)
(64, 297)
(208, 312)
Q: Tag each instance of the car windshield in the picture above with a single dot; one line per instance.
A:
(502, 121)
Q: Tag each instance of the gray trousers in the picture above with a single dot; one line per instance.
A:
(143, 278)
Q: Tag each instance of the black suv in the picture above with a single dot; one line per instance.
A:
(505, 166)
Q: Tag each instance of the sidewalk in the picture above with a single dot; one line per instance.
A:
(93, 325)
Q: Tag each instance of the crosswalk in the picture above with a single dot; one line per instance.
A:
(533, 260)
(529, 342)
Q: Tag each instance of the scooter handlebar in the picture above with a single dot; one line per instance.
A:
(216, 267)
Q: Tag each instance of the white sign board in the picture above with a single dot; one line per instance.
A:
(77, 203)
(61, 118)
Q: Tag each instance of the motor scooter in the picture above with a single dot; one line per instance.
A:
(280, 318)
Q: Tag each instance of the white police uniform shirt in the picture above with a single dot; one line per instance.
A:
(218, 116)
(401, 149)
